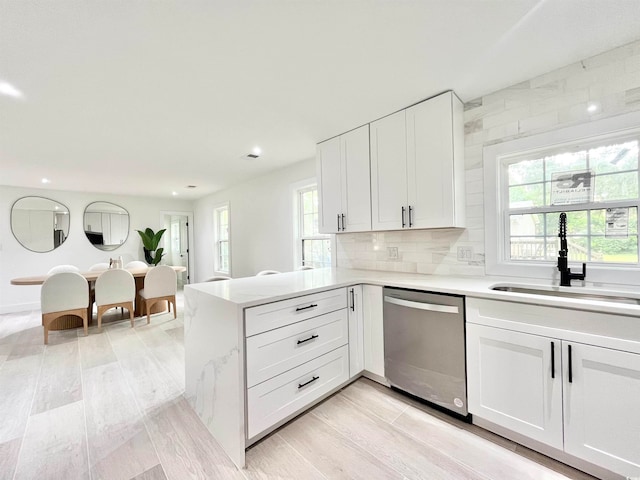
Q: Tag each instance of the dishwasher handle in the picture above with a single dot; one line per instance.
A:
(421, 306)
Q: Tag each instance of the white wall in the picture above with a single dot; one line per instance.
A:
(17, 261)
(261, 223)
(551, 101)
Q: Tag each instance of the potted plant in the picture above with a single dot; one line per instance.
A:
(150, 242)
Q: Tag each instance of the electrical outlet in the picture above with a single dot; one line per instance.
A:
(465, 254)
(392, 253)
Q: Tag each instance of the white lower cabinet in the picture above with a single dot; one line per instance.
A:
(602, 407)
(373, 330)
(514, 380)
(281, 396)
(298, 350)
(580, 399)
(356, 331)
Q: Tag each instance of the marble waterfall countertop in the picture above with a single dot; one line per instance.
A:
(252, 291)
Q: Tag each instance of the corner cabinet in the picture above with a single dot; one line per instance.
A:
(343, 182)
(578, 398)
(417, 166)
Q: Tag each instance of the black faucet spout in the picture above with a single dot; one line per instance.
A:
(563, 262)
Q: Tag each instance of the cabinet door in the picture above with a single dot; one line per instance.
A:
(356, 330)
(602, 407)
(433, 183)
(373, 330)
(511, 382)
(388, 171)
(328, 165)
(356, 181)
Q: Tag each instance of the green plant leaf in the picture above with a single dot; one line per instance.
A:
(158, 256)
(156, 238)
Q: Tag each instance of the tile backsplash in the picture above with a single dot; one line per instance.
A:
(554, 100)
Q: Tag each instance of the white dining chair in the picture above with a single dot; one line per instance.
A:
(135, 264)
(64, 293)
(63, 269)
(267, 272)
(159, 284)
(115, 288)
(217, 278)
(96, 267)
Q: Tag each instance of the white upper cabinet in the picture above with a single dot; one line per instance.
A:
(417, 166)
(435, 163)
(389, 172)
(344, 182)
(329, 185)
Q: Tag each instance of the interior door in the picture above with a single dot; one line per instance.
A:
(177, 246)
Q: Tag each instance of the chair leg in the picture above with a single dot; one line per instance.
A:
(99, 319)
(175, 310)
(147, 307)
(46, 333)
(130, 307)
(85, 322)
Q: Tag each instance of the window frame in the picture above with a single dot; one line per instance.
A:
(298, 222)
(217, 255)
(496, 198)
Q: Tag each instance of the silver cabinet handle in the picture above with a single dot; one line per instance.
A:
(422, 306)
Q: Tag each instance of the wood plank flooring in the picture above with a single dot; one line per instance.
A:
(110, 406)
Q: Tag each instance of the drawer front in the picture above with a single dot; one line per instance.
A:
(290, 392)
(278, 314)
(276, 351)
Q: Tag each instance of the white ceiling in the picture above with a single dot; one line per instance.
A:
(147, 97)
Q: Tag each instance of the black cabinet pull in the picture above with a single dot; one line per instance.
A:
(300, 385)
(553, 360)
(410, 220)
(342, 216)
(353, 300)
(570, 367)
(338, 222)
(307, 339)
(403, 222)
(299, 309)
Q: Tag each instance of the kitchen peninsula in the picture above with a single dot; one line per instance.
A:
(243, 380)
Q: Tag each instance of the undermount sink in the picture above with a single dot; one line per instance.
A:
(556, 292)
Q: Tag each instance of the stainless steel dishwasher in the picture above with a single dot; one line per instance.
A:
(424, 346)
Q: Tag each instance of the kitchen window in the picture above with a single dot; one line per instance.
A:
(221, 234)
(314, 249)
(595, 179)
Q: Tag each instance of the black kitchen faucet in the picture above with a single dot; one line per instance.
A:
(563, 265)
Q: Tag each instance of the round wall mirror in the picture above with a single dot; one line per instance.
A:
(39, 224)
(106, 225)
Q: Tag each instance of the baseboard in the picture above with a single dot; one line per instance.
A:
(19, 307)
(376, 378)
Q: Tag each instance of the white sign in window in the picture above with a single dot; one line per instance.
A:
(569, 188)
(617, 222)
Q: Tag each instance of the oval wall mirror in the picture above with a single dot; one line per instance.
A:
(39, 224)
(106, 225)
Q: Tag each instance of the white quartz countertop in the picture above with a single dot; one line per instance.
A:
(251, 291)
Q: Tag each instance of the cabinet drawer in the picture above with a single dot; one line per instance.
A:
(286, 394)
(278, 314)
(276, 351)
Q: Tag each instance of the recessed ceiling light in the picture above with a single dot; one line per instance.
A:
(46, 180)
(9, 90)
(593, 107)
(257, 151)
(174, 193)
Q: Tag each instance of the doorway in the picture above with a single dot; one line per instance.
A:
(177, 244)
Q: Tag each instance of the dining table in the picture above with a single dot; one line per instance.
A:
(72, 321)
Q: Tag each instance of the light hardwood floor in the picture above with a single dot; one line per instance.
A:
(110, 406)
